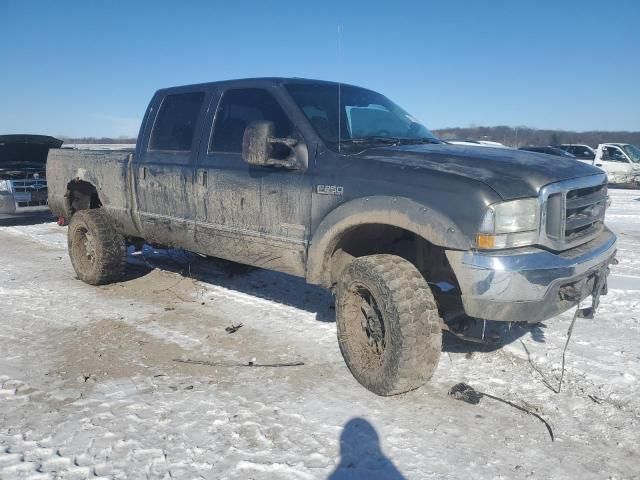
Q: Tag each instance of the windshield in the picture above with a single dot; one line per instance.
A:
(632, 152)
(365, 117)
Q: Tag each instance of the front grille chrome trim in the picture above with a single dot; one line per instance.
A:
(554, 236)
(29, 193)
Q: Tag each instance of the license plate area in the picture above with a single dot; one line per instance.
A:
(22, 196)
(39, 196)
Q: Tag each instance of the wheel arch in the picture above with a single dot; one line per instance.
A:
(392, 212)
(81, 195)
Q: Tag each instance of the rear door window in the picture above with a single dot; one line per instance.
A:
(176, 121)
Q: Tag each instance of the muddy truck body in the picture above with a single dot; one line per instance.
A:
(336, 184)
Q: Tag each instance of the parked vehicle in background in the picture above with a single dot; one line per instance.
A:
(580, 151)
(621, 162)
(491, 143)
(339, 185)
(476, 143)
(456, 141)
(23, 184)
(558, 152)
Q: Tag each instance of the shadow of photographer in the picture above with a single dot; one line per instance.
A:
(361, 456)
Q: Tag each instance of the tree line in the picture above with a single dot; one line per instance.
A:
(526, 136)
(97, 140)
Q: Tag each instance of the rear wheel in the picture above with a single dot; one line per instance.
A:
(97, 251)
(388, 324)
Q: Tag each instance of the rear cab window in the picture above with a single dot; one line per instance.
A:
(175, 124)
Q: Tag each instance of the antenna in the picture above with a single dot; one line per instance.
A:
(339, 99)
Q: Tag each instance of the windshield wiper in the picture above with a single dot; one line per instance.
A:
(416, 141)
(391, 140)
(372, 139)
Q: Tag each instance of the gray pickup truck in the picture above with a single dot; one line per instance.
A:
(337, 184)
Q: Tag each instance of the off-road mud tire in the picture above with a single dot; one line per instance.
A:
(107, 259)
(412, 326)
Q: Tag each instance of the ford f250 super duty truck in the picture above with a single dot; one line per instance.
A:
(337, 184)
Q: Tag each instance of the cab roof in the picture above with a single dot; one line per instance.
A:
(264, 82)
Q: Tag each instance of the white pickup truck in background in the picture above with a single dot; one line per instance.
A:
(620, 161)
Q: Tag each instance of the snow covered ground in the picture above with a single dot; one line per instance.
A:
(89, 386)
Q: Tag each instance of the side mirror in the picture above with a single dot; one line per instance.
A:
(260, 147)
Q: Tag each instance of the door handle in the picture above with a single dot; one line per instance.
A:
(598, 164)
(143, 173)
(202, 177)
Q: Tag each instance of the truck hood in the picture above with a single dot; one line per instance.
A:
(510, 173)
(23, 155)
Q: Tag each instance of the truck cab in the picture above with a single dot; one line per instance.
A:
(620, 161)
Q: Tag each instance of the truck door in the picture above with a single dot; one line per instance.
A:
(615, 163)
(258, 215)
(164, 169)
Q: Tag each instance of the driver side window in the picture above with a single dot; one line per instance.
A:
(237, 109)
(612, 154)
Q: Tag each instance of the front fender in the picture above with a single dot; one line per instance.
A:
(393, 211)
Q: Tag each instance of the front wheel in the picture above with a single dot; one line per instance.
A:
(388, 324)
(98, 252)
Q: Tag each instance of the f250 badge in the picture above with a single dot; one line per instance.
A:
(330, 189)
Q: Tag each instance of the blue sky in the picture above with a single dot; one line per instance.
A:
(88, 68)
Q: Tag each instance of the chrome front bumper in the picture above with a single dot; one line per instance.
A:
(530, 284)
(10, 209)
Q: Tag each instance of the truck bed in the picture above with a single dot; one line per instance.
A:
(107, 170)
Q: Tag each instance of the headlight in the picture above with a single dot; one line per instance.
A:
(510, 224)
(5, 185)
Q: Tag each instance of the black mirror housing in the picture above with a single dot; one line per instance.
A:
(258, 143)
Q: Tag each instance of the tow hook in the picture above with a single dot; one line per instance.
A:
(600, 288)
(62, 221)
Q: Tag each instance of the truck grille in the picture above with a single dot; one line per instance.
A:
(573, 211)
(584, 209)
(32, 203)
(30, 192)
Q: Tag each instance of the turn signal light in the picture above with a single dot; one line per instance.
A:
(485, 241)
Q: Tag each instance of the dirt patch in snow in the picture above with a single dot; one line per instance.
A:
(111, 349)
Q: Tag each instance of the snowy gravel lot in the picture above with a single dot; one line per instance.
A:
(89, 386)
